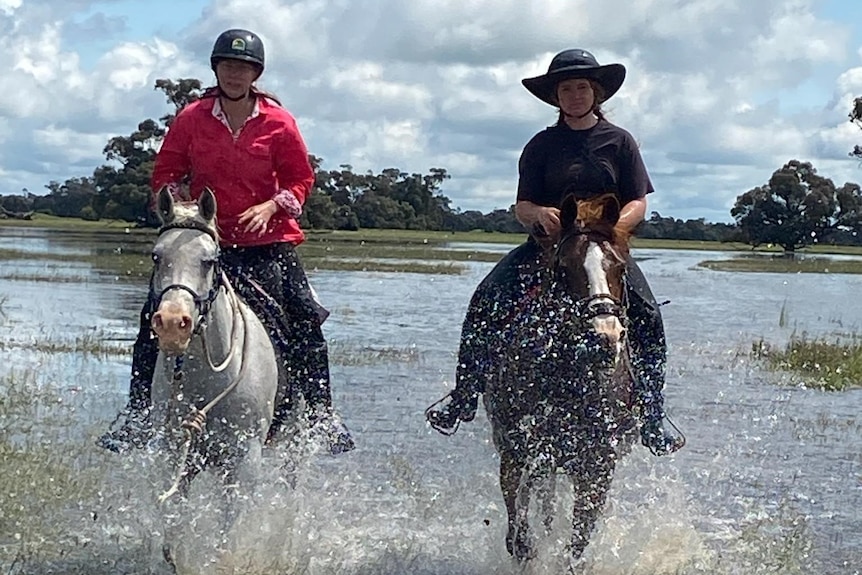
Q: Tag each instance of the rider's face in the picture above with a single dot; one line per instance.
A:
(576, 96)
(235, 77)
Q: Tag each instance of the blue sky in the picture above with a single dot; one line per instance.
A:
(719, 95)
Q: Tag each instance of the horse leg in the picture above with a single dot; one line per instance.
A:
(591, 476)
(173, 518)
(240, 479)
(515, 484)
(546, 496)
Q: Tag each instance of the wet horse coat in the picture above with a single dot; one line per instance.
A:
(216, 377)
(559, 400)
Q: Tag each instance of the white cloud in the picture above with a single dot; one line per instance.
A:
(9, 6)
(436, 83)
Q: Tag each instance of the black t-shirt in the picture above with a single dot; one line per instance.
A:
(558, 161)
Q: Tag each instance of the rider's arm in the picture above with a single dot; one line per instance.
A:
(294, 172)
(634, 186)
(531, 185)
(632, 214)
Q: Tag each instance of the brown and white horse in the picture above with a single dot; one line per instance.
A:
(560, 400)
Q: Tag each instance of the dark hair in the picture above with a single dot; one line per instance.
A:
(214, 92)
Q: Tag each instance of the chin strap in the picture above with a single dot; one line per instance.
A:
(582, 116)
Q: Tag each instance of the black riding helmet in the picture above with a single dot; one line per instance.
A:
(238, 44)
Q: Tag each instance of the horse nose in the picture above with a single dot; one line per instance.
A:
(173, 326)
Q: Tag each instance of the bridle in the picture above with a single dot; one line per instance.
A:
(203, 303)
(591, 306)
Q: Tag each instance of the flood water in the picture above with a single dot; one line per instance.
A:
(769, 482)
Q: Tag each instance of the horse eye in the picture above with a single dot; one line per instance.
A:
(155, 257)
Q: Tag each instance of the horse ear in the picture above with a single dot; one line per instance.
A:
(207, 205)
(568, 211)
(611, 209)
(165, 204)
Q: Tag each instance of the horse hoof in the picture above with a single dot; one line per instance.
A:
(520, 549)
(169, 557)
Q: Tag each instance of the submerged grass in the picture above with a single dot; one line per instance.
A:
(94, 343)
(37, 477)
(830, 365)
(347, 355)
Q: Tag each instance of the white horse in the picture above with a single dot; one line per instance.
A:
(216, 379)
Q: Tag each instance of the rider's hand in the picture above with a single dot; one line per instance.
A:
(548, 219)
(256, 218)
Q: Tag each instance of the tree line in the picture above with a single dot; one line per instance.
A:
(794, 209)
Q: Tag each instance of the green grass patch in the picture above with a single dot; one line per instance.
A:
(419, 237)
(58, 223)
(765, 264)
(381, 266)
(374, 250)
(827, 364)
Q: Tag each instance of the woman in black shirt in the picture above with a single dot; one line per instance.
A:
(586, 155)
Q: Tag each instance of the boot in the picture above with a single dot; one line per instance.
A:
(323, 421)
(312, 376)
(479, 337)
(134, 432)
(654, 435)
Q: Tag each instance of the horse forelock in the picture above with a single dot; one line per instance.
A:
(187, 215)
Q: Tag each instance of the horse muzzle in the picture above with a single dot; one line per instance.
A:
(173, 326)
(603, 341)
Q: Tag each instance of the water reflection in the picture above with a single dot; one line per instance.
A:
(766, 461)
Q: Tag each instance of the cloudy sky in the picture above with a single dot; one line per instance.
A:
(719, 93)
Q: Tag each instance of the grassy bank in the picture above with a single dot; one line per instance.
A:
(830, 365)
(780, 264)
(122, 251)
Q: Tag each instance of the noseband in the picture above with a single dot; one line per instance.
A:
(203, 303)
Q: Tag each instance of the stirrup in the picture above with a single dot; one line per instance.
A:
(659, 441)
(447, 418)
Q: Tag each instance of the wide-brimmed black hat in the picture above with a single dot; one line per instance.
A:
(575, 63)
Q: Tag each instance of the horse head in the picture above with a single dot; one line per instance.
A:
(588, 263)
(186, 276)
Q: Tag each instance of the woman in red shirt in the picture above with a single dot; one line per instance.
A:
(242, 144)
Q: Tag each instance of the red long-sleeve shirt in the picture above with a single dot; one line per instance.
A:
(267, 157)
